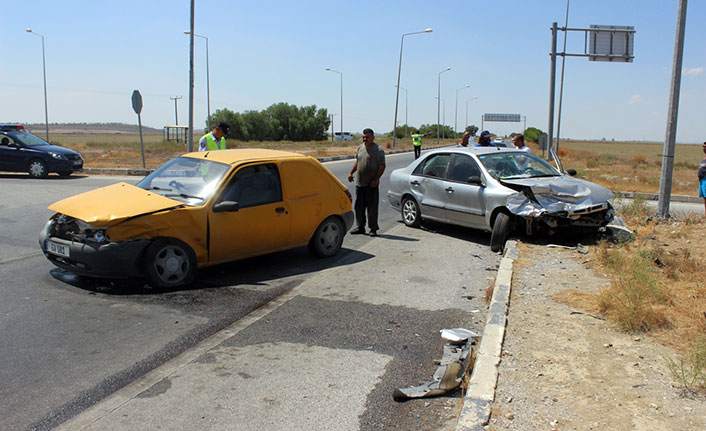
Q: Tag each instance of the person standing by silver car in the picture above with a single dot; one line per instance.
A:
(369, 166)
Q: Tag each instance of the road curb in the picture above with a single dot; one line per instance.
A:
(480, 393)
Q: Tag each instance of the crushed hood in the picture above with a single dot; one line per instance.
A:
(112, 204)
(556, 194)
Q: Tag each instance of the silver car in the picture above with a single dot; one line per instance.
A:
(497, 190)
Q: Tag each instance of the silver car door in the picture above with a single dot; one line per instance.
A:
(465, 203)
(430, 186)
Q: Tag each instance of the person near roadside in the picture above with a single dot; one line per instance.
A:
(417, 143)
(368, 167)
(215, 139)
(702, 177)
(484, 139)
(519, 141)
(465, 139)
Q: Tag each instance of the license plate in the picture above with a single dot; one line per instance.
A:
(77, 162)
(55, 248)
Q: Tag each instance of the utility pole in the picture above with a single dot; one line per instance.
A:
(665, 183)
(176, 115)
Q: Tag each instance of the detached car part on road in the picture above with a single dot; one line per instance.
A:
(21, 151)
(497, 190)
(197, 210)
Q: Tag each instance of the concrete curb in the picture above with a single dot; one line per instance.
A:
(480, 393)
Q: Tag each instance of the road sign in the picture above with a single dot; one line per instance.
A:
(137, 102)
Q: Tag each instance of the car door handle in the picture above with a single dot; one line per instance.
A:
(449, 189)
(279, 210)
(414, 183)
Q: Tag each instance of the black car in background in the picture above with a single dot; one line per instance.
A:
(21, 151)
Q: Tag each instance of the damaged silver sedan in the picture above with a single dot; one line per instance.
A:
(497, 190)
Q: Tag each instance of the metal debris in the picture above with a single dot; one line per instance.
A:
(450, 370)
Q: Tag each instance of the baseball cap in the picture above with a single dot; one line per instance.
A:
(485, 134)
(224, 127)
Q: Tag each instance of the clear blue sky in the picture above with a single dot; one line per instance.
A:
(266, 52)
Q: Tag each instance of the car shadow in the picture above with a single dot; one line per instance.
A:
(48, 177)
(255, 271)
(457, 232)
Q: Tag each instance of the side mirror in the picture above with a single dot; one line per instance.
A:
(226, 206)
(571, 172)
(475, 180)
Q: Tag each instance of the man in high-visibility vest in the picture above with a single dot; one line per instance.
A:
(215, 139)
(417, 142)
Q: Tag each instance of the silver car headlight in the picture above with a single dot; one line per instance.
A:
(58, 156)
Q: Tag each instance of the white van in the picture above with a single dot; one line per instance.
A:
(346, 136)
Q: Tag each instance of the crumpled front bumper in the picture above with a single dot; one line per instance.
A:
(110, 260)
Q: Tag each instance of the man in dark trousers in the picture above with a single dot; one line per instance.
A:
(369, 166)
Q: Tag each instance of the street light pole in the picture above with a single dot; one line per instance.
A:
(208, 80)
(406, 121)
(467, 110)
(328, 69)
(456, 111)
(44, 68)
(399, 72)
(438, 104)
(190, 144)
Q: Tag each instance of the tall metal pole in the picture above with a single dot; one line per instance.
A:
(44, 70)
(176, 115)
(191, 80)
(438, 104)
(406, 106)
(399, 72)
(456, 111)
(665, 184)
(552, 85)
(561, 80)
(208, 87)
(328, 69)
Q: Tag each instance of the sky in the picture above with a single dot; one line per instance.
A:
(265, 52)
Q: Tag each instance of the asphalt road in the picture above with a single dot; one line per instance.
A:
(68, 342)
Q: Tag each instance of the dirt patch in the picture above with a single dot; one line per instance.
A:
(565, 367)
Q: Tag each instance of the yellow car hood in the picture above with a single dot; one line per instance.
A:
(109, 205)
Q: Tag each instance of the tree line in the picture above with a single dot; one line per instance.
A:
(279, 122)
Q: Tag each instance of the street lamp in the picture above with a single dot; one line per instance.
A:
(208, 79)
(399, 70)
(405, 113)
(467, 109)
(456, 111)
(438, 104)
(44, 68)
(328, 69)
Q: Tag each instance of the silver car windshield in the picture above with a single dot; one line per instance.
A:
(186, 179)
(506, 165)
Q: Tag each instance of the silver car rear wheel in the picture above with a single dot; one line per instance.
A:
(411, 216)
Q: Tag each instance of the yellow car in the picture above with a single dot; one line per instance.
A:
(197, 210)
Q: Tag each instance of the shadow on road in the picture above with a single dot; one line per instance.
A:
(49, 177)
(256, 271)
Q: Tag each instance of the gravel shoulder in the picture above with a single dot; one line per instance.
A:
(564, 368)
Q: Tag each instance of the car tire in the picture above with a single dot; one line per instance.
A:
(411, 216)
(37, 169)
(169, 262)
(65, 173)
(501, 230)
(327, 238)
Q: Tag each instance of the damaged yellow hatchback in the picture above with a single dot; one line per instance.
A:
(197, 210)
